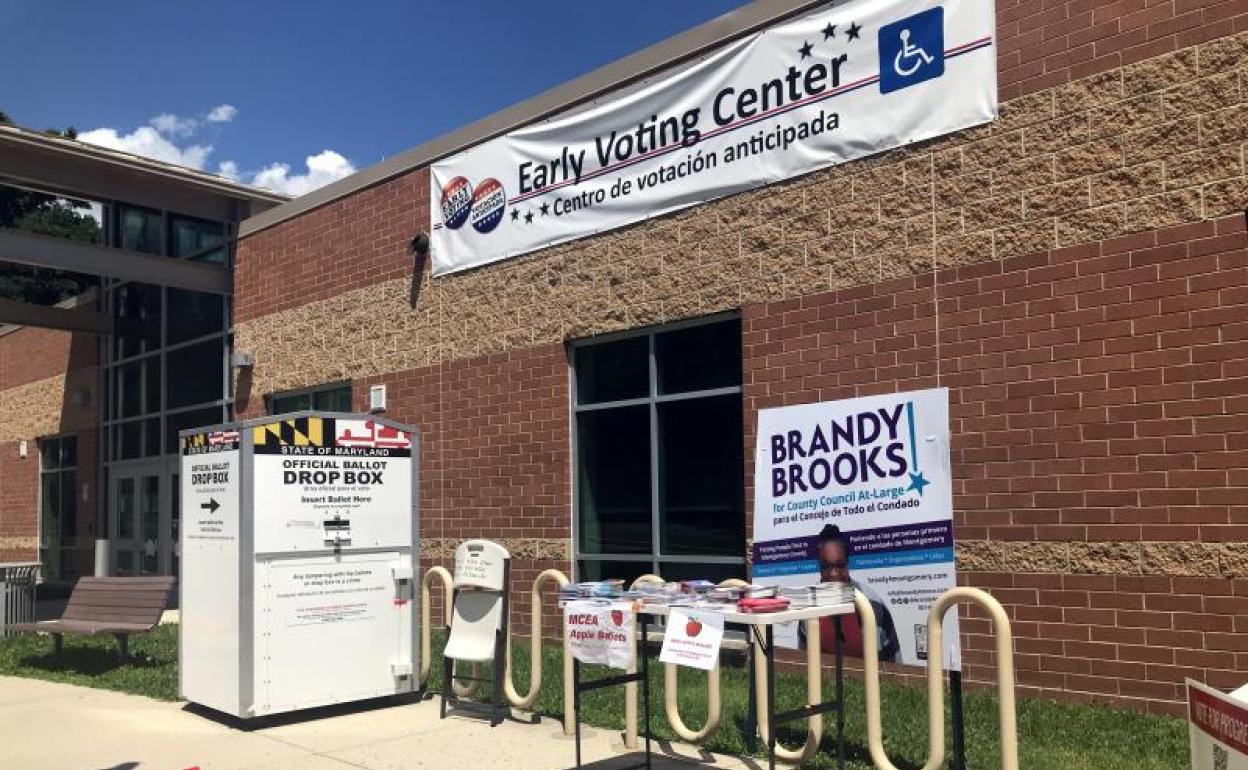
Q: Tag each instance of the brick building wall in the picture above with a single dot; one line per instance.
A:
(19, 496)
(1086, 253)
(49, 383)
(1100, 447)
(1081, 263)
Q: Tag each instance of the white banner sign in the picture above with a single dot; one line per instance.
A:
(692, 639)
(838, 83)
(601, 633)
(1217, 729)
(860, 490)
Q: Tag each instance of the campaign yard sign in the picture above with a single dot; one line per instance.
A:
(1217, 729)
(842, 81)
(860, 490)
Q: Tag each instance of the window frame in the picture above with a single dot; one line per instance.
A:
(60, 470)
(655, 558)
(327, 387)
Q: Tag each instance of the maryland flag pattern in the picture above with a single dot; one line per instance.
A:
(216, 441)
(301, 431)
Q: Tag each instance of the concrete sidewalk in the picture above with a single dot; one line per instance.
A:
(64, 727)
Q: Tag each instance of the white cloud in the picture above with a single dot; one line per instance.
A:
(322, 168)
(150, 143)
(172, 125)
(222, 113)
(167, 138)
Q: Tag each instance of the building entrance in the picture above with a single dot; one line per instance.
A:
(144, 518)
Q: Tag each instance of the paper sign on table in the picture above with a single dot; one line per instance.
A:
(693, 639)
(601, 633)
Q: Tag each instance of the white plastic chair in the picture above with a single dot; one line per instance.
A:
(478, 620)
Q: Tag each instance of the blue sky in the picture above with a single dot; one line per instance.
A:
(269, 87)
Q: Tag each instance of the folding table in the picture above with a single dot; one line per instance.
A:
(761, 625)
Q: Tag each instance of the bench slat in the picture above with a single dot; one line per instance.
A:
(137, 616)
(113, 597)
(111, 583)
(130, 602)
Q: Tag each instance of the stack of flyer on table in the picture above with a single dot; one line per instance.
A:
(821, 595)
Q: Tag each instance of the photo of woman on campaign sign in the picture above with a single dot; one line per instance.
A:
(859, 491)
(833, 553)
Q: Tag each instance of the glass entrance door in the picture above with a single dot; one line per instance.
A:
(141, 519)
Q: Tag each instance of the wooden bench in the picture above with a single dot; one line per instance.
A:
(118, 606)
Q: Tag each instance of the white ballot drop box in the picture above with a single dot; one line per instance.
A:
(299, 547)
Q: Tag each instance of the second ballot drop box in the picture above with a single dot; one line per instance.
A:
(299, 546)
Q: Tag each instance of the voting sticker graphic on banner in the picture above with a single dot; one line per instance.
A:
(860, 490)
(601, 633)
(840, 82)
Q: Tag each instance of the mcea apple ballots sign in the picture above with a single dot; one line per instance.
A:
(877, 468)
(839, 82)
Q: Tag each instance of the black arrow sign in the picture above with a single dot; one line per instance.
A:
(212, 505)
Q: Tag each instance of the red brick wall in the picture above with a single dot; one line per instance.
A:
(494, 443)
(1099, 394)
(19, 495)
(29, 355)
(357, 241)
(1045, 44)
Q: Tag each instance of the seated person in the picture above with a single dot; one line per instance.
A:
(833, 551)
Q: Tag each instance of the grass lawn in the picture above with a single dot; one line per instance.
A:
(1052, 736)
(91, 661)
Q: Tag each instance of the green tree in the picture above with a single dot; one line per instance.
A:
(44, 214)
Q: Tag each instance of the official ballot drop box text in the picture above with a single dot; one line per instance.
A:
(299, 545)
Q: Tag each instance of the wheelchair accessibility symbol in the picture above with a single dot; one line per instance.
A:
(912, 50)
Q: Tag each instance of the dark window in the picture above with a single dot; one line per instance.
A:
(194, 314)
(700, 451)
(659, 454)
(699, 358)
(195, 238)
(136, 319)
(58, 506)
(139, 229)
(129, 437)
(614, 480)
(196, 374)
(326, 398)
(195, 418)
(613, 371)
(604, 569)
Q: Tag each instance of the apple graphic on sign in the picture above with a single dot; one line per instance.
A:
(617, 617)
(693, 628)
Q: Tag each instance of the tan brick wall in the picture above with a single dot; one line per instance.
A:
(45, 407)
(1152, 144)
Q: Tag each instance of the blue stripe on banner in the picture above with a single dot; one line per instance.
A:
(788, 568)
(901, 558)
